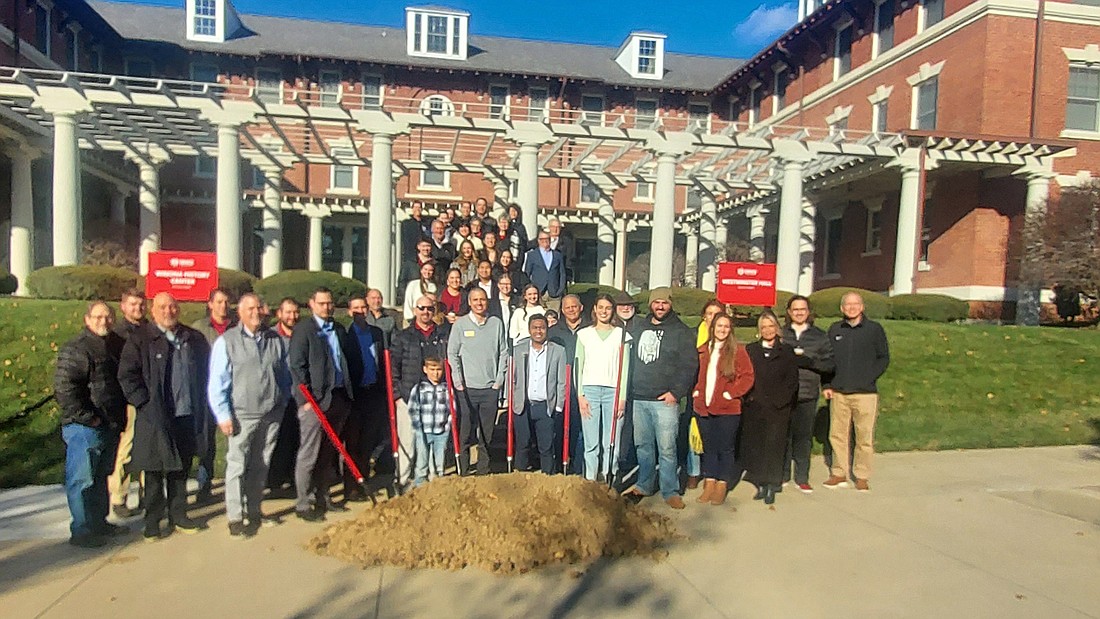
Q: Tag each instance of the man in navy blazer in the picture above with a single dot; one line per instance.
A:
(545, 268)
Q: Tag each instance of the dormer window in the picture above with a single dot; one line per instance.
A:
(212, 21)
(206, 23)
(437, 32)
(643, 55)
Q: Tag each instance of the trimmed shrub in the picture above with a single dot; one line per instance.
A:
(300, 284)
(779, 309)
(235, 283)
(930, 307)
(81, 282)
(826, 302)
(8, 282)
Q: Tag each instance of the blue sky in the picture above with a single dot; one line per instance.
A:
(733, 28)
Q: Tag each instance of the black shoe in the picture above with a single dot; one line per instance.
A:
(186, 526)
(761, 492)
(310, 515)
(112, 530)
(205, 497)
(251, 528)
(238, 530)
(769, 495)
(122, 512)
(777, 488)
(88, 541)
(336, 507)
(151, 533)
(356, 496)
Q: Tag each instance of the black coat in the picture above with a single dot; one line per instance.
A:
(815, 362)
(776, 383)
(160, 442)
(311, 362)
(767, 414)
(410, 348)
(86, 382)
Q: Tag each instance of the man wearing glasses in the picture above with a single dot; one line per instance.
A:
(410, 347)
(545, 267)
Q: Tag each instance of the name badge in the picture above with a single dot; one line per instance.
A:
(468, 333)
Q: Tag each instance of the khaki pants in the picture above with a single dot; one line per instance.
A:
(118, 483)
(860, 410)
(406, 451)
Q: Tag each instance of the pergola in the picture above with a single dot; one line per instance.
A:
(734, 168)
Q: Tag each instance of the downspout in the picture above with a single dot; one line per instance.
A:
(1037, 69)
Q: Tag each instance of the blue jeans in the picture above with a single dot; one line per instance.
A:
(597, 430)
(430, 450)
(89, 459)
(656, 425)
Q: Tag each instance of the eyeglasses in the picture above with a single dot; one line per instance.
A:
(424, 308)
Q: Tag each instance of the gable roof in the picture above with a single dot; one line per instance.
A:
(265, 35)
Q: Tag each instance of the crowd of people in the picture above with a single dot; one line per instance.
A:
(600, 391)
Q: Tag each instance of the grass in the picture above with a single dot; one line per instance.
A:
(948, 386)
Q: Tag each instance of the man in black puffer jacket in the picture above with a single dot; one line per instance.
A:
(815, 359)
(93, 413)
(410, 347)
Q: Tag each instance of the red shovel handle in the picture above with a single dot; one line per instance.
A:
(565, 433)
(454, 414)
(393, 411)
(331, 433)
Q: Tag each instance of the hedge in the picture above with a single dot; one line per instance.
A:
(826, 302)
(930, 307)
(235, 283)
(300, 285)
(8, 282)
(81, 282)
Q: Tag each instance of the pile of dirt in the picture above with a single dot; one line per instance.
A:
(501, 523)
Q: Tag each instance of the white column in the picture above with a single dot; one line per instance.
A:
(67, 209)
(790, 222)
(691, 262)
(708, 243)
(380, 231)
(620, 254)
(347, 267)
(228, 209)
(500, 198)
(663, 232)
(605, 242)
(721, 235)
(316, 242)
(272, 260)
(807, 247)
(118, 206)
(149, 214)
(21, 249)
(758, 224)
(529, 186)
(905, 256)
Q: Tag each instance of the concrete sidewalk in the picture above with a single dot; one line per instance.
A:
(997, 533)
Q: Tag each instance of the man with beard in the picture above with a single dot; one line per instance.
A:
(281, 471)
(367, 425)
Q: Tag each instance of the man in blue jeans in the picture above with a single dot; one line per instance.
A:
(93, 414)
(665, 366)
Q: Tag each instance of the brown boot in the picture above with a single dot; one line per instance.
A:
(693, 482)
(718, 496)
(708, 491)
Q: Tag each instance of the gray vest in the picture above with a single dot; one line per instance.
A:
(256, 368)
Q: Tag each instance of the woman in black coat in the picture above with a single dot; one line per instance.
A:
(767, 416)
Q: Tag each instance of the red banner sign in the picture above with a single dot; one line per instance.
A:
(746, 283)
(186, 275)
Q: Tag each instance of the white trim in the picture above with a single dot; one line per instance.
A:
(447, 106)
(840, 27)
(871, 207)
(1072, 13)
(779, 68)
(338, 93)
(1081, 179)
(345, 152)
(656, 110)
(1089, 55)
(754, 103)
(381, 89)
(446, 158)
(922, 17)
(876, 116)
(840, 112)
(915, 111)
(692, 121)
(459, 20)
(643, 199)
(271, 71)
(973, 293)
(506, 108)
(876, 42)
(881, 94)
(584, 118)
(1077, 134)
(926, 72)
(545, 109)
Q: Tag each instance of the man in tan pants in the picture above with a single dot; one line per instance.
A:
(132, 308)
(862, 356)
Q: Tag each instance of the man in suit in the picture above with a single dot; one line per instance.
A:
(561, 242)
(327, 361)
(366, 426)
(538, 395)
(442, 251)
(545, 268)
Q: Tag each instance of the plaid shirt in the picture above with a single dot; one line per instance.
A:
(429, 408)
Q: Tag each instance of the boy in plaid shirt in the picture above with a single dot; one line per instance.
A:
(429, 408)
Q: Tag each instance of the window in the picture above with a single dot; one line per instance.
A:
(645, 113)
(345, 178)
(643, 192)
(206, 166)
(699, 117)
(435, 179)
(647, 56)
(139, 68)
(206, 12)
(259, 179)
(780, 89)
(498, 101)
(456, 40)
(924, 112)
(72, 46)
(925, 239)
(269, 85)
(418, 31)
(96, 55)
(42, 29)
(932, 13)
(754, 107)
(204, 72)
(838, 125)
(437, 105)
(590, 192)
(1083, 102)
(694, 200)
(833, 236)
(330, 83)
(436, 42)
(842, 59)
(372, 92)
(880, 111)
(884, 27)
(591, 110)
(537, 106)
(873, 241)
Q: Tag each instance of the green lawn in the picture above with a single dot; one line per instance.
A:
(948, 387)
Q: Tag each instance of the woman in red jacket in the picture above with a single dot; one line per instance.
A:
(725, 375)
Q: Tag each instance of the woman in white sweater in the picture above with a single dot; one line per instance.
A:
(517, 330)
(418, 288)
(603, 359)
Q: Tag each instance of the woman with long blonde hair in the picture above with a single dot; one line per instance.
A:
(725, 376)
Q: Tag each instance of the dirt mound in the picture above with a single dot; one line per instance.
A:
(501, 523)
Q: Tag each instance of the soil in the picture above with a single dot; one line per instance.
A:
(501, 523)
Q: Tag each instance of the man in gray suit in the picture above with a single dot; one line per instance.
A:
(538, 395)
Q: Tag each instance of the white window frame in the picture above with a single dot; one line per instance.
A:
(505, 111)
(922, 17)
(872, 237)
(880, 122)
(538, 113)
(838, 120)
(381, 91)
(445, 157)
(200, 172)
(840, 27)
(639, 122)
(780, 69)
(196, 17)
(330, 98)
(652, 58)
(47, 8)
(880, 97)
(876, 41)
(921, 78)
(586, 118)
(262, 92)
(644, 192)
(1067, 130)
(455, 36)
(446, 106)
(74, 46)
(693, 123)
(343, 152)
(754, 103)
(838, 219)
